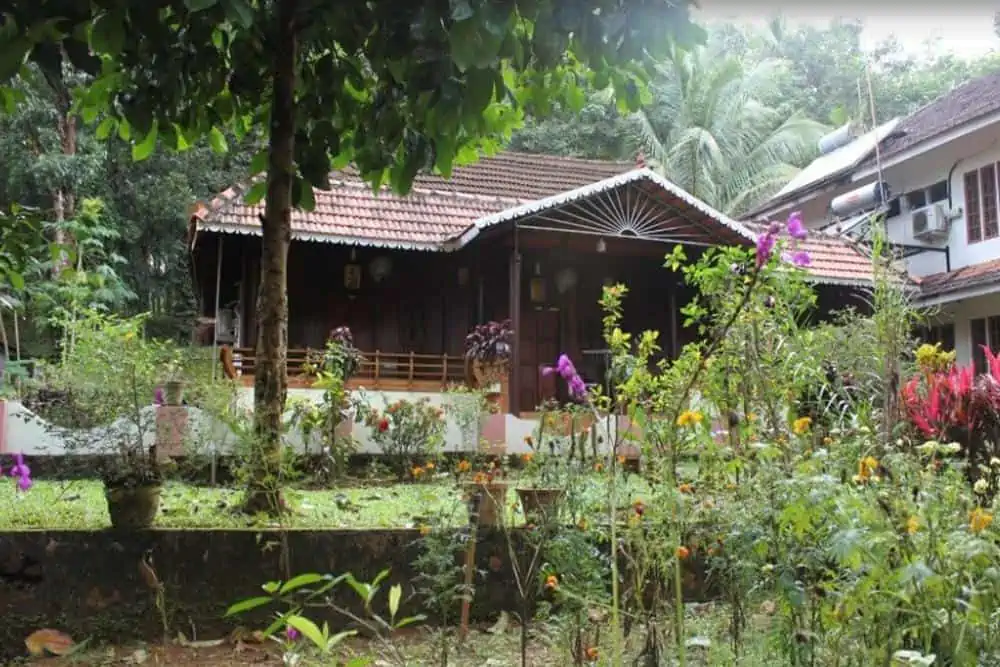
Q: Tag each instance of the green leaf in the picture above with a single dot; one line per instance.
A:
(182, 142)
(302, 195)
(359, 661)
(300, 581)
(336, 639)
(240, 12)
(105, 128)
(252, 197)
(12, 55)
(259, 163)
(308, 630)
(247, 605)
(107, 35)
(124, 130)
(395, 594)
(271, 587)
(16, 280)
(217, 140)
(144, 148)
(479, 87)
(200, 5)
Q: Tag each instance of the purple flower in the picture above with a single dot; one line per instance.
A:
(291, 633)
(801, 258)
(19, 469)
(564, 366)
(795, 227)
(765, 246)
(158, 398)
(24, 483)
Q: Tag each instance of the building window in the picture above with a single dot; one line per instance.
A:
(943, 334)
(982, 204)
(916, 200)
(985, 333)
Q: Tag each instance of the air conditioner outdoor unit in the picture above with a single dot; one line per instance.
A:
(930, 223)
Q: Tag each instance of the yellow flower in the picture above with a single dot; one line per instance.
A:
(429, 465)
(425, 529)
(867, 467)
(912, 525)
(801, 425)
(979, 520)
(827, 441)
(552, 582)
(690, 418)
(416, 471)
(582, 524)
(685, 488)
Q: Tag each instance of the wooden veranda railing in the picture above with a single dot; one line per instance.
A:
(387, 370)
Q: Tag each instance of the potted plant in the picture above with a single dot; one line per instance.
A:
(542, 485)
(111, 375)
(488, 346)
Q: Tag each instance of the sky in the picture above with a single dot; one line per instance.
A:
(966, 29)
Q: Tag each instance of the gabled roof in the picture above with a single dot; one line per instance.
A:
(614, 198)
(963, 104)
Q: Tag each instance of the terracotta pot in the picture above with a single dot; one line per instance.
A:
(489, 374)
(490, 498)
(133, 507)
(540, 502)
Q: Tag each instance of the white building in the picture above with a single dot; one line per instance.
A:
(939, 170)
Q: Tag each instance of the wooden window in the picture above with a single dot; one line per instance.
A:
(988, 181)
(985, 331)
(978, 327)
(972, 219)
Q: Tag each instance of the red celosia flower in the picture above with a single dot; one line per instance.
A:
(383, 425)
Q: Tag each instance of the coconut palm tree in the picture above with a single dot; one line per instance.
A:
(716, 127)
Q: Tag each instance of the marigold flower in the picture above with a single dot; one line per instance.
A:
(526, 458)
(598, 467)
(979, 520)
(682, 552)
(801, 425)
(912, 525)
(621, 459)
(480, 478)
(552, 582)
(827, 441)
(592, 653)
(639, 507)
(690, 418)
(464, 466)
(429, 465)
(685, 488)
(416, 471)
(867, 467)
(425, 530)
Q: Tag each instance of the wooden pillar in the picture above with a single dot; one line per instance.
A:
(514, 387)
(672, 310)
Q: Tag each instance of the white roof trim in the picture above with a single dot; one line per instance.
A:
(928, 145)
(569, 196)
(960, 294)
(336, 239)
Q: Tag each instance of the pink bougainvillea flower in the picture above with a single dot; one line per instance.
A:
(795, 227)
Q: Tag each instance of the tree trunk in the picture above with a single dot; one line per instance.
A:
(270, 372)
(63, 198)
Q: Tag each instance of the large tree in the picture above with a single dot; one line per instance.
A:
(392, 86)
(710, 130)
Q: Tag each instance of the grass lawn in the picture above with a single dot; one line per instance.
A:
(80, 505)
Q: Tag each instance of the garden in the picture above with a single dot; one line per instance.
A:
(787, 490)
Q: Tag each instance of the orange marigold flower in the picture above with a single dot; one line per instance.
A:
(592, 653)
(552, 582)
(480, 478)
(526, 458)
(416, 471)
(685, 488)
(801, 425)
(682, 552)
(621, 459)
(979, 520)
(464, 466)
(429, 465)
(598, 467)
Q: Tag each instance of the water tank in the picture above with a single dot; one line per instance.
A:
(834, 140)
(861, 199)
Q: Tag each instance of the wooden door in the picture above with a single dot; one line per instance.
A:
(539, 340)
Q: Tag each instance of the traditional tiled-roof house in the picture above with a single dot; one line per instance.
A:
(529, 237)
